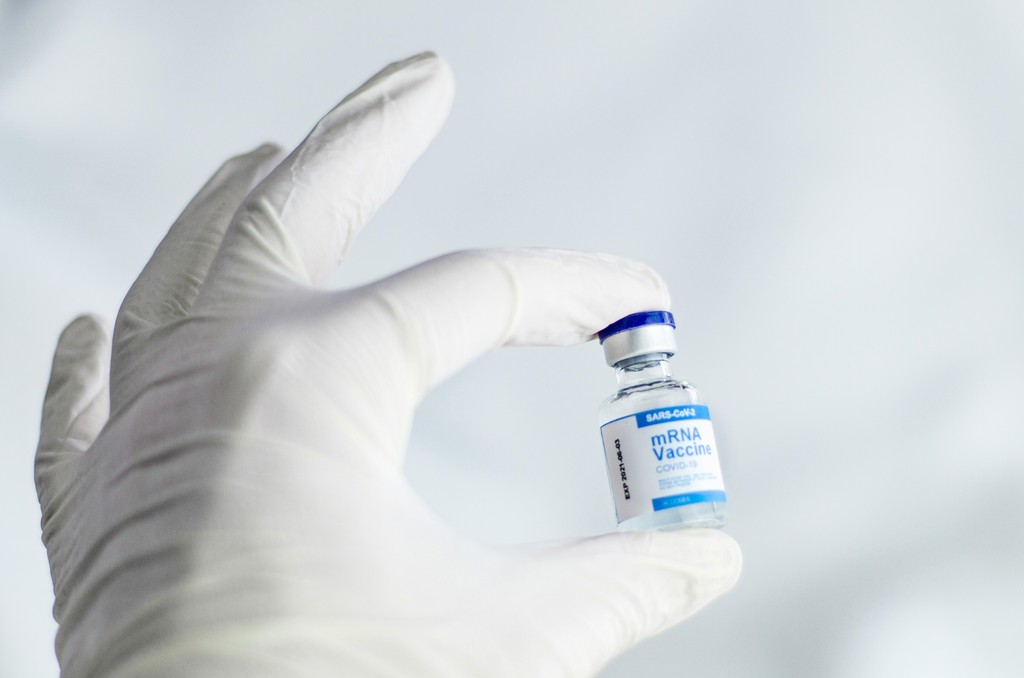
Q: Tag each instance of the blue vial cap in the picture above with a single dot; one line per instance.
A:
(635, 320)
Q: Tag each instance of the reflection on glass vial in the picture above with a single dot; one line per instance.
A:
(662, 458)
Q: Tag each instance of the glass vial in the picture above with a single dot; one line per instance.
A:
(662, 458)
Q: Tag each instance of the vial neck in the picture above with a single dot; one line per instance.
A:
(645, 369)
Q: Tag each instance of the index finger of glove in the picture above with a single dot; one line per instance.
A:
(297, 225)
(454, 308)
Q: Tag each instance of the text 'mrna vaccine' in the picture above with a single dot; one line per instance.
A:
(662, 457)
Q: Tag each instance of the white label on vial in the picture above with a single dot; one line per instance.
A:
(663, 458)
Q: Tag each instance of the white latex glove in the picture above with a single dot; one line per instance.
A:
(234, 504)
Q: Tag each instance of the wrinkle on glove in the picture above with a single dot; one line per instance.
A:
(220, 480)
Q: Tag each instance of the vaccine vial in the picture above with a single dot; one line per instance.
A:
(663, 464)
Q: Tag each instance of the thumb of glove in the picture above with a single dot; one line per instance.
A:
(602, 595)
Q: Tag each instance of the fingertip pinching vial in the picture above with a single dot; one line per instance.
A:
(663, 464)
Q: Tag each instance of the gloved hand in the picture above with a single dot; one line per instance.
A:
(234, 504)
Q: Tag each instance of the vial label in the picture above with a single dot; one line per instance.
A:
(663, 458)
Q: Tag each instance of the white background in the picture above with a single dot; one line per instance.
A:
(833, 192)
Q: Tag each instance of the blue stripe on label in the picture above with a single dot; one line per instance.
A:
(677, 413)
(689, 498)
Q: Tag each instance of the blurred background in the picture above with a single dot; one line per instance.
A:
(832, 191)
